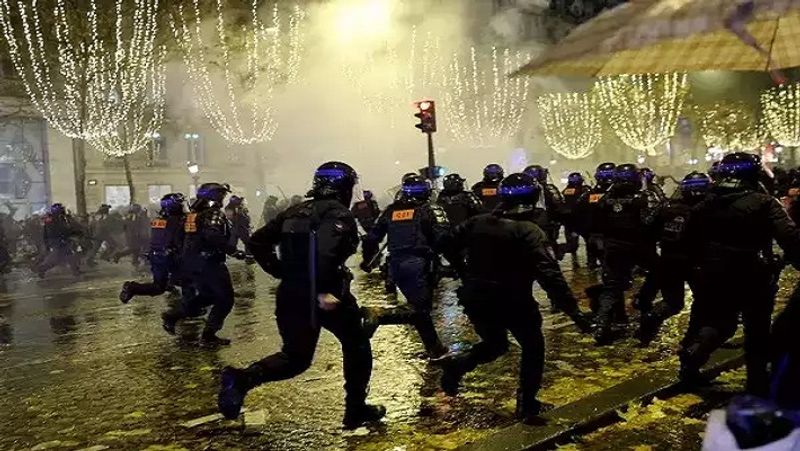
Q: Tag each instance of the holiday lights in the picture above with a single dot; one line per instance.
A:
(730, 126)
(781, 107)
(483, 105)
(137, 131)
(572, 126)
(92, 80)
(643, 109)
(237, 98)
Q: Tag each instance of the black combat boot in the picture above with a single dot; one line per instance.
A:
(232, 391)
(168, 321)
(210, 338)
(360, 415)
(127, 293)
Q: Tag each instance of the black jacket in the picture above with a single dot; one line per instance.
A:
(413, 227)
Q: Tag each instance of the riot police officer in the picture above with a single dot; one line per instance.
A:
(486, 190)
(553, 205)
(571, 194)
(586, 211)
(627, 218)
(458, 204)
(270, 211)
(315, 239)
(166, 244)
(205, 280)
(732, 231)
(675, 267)
(416, 230)
(650, 184)
(239, 216)
(507, 253)
(58, 233)
(366, 211)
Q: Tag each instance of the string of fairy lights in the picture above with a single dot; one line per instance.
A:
(572, 125)
(643, 109)
(730, 125)
(781, 109)
(135, 132)
(272, 57)
(91, 82)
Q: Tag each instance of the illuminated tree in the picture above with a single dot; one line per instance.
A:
(234, 78)
(83, 64)
(781, 106)
(730, 126)
(572, 123)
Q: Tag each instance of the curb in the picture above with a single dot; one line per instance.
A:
(599, 409)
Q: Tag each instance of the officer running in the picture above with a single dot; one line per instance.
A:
(576, 187)
(551, 220)
(366, 211)
(166, 244)
(586, 212)
(59, 231)
(314, 241)
(417, 230)
(507, 253)
(458, 203)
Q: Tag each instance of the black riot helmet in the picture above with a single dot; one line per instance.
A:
(695, 185)
(172, 203)
(741, 166)
(575, 179)
(334, 180)
(416, 187)
(368, 195)
(538, 172)
(519, 189)
(407, 175)
(604, 174)
(493, 173)
(628, 175)
(453, 183)
(213, 192)
(57, 209)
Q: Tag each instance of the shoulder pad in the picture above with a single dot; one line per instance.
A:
(439, 215)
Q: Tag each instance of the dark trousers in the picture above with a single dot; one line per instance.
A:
(414, 277)
(111, 248)
(494, 313)
(669, 276)
(619, 261)
(786, 354)
(572, 241)
(723, 296)
(209, 286)
(300, 334)
(59, 256)
(162, 267)
(594, 249)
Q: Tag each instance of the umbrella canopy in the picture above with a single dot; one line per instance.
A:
(652, 36)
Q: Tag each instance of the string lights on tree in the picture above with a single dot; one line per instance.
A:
(572, 125)
(643, 109)
(82, 81)
(730, 126)
(483, 105)
(781, 108)
(136, 131)
(252, 61)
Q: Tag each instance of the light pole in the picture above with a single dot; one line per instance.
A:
(194, 171)
(191, 145)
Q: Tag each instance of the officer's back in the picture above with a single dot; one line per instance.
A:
(458, 204)
(167, 230)
(626, 214)
(413, 225)
(207, 230)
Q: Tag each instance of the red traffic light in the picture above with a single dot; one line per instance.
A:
(426, 116)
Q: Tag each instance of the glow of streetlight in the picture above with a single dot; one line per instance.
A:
(363, 19)
(193, 168)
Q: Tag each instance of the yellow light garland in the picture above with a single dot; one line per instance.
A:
(272, 57)
(643, 109)
(730, 126)
(91, 83)
(572, 126)
(781, 106)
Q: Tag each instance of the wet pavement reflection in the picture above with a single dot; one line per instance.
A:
(79, 370)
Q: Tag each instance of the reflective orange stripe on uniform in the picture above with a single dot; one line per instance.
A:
(595, 198)
(402, 215)
(569, 192)
(158, 224)
(489, 192)
(190, 226)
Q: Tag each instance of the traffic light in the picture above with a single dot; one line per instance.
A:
(427, 116)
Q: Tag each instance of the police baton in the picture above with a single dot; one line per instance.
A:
(375, 257)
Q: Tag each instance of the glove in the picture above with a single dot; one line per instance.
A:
(365, 267)
(239, 255)
(583, 321)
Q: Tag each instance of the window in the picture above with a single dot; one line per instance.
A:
(158, 149)
(156, 192)
(118, 195)
(196, 151)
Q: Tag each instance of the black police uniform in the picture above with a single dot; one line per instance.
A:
(507, 253)
(205, 279)
(586, 214)
(570, 217)
(785, 354)
(731, 231)
(627, 218)
(675, 267)
(459, 205)
(136, 228)
(554, 205)
(417, 230)
(240, 227)
(366, 213)
(166, 245)
(322, 231)
(59, 231)
(486, 191)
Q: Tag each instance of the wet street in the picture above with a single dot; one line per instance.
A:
(79, 370)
